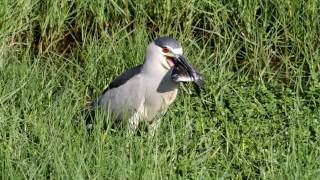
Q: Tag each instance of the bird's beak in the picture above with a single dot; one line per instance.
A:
(184, 72)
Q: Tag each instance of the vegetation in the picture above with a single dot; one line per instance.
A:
(258, 117)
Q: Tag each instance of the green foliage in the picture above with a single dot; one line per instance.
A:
(257, 118)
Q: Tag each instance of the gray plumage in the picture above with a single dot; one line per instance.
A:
(123, 78)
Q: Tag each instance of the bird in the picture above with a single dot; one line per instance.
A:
(145, 92)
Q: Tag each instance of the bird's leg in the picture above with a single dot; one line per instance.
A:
(133, 124)
(153, 127)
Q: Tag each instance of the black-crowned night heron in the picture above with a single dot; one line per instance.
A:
(143, 92)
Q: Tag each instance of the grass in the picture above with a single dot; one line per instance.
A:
(259, 116)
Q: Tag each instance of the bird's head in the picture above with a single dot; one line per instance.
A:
(166, 54)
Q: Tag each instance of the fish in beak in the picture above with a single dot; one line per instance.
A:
(184, 72)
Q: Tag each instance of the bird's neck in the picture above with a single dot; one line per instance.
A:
(154, 68)
(160, 75)
(160, 79)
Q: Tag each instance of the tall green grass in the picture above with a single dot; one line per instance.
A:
(259, 116)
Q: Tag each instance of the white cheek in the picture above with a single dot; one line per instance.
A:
(178, 51)
(165, 63)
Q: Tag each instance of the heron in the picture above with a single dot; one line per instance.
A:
(145, 92)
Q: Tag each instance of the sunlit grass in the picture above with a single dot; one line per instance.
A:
(257, 118)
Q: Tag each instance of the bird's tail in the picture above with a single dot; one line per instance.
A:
(88, 114)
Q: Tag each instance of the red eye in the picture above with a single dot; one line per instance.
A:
(165, 50)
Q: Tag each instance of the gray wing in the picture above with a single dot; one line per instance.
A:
(110, 94)
(124, 77)
(124, 93)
